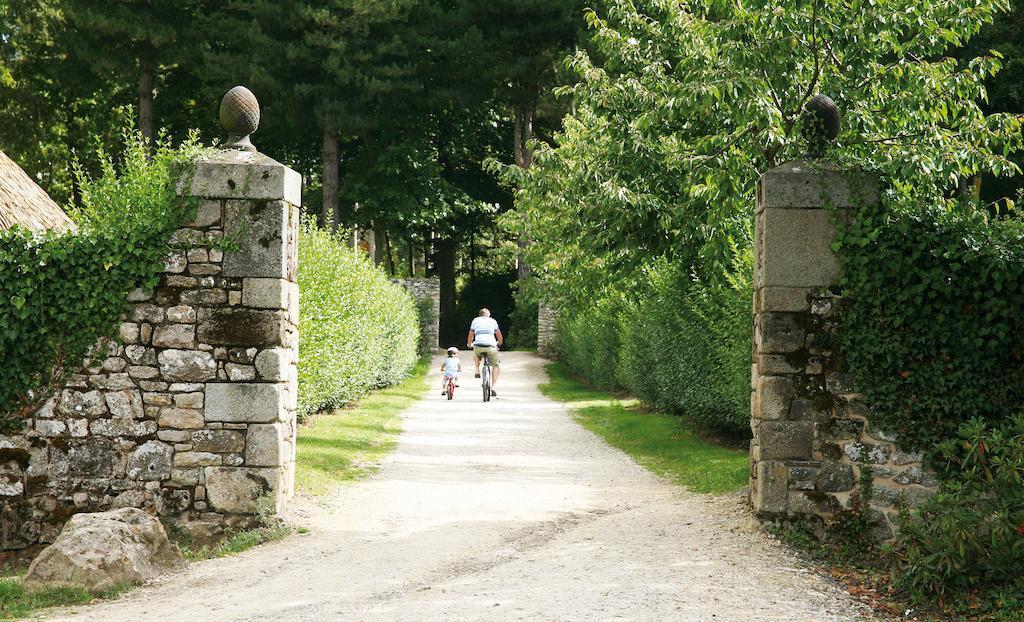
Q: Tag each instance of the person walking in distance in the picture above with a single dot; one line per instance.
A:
(485, 338)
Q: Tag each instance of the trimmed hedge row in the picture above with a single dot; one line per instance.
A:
(679, 345)
(359, 331)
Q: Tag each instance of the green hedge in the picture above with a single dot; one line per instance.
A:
(678, 345)
(358, 331)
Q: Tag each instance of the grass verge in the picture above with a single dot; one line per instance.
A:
(348, 444)
(238, 542)
(660, 442)
(16, 602)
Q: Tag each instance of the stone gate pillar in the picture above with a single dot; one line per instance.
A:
(252, 331)
(793, 378)
(547, 331)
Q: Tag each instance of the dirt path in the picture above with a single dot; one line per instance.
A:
(501, 511)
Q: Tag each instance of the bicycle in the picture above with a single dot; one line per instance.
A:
(449, 387)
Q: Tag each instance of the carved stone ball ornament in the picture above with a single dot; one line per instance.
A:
(821, 123)
(239, 116)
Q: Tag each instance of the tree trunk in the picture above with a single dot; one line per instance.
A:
(523, 133)
(446, 275)
(412, 251)
(329, 200)
(147, 83)
(387, 252)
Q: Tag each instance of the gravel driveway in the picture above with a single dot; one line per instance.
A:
(501, 511)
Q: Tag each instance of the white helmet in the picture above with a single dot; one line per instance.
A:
(453, 350)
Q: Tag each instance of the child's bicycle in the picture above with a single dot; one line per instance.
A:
(449, 387)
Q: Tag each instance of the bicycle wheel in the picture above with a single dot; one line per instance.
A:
(451, 389)
(485, 376)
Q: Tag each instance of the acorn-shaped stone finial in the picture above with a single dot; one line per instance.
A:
(821, 123)
(239, 116)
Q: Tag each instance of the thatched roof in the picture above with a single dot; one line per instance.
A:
(23, 202)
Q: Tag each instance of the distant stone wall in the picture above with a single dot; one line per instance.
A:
(547, 331)
(427, 294)
(812, 436)
(190, 411)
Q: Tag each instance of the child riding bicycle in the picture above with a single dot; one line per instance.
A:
(452, 367)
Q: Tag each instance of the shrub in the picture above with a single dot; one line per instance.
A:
(358, 330)
(61, 292)
(675, 343)
(934, 336)
(971, 533)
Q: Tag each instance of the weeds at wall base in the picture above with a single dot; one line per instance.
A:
(16, 602)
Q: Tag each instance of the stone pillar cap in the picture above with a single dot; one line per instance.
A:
(798, 184)
(237, 174)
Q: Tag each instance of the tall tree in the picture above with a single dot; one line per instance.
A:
(133, 42)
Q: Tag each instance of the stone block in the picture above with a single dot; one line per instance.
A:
(208, 213)
(263, 251)
(93, 457)
(834, 477)
(244, 402)
(81, 403)
(916, 475)
(265, 293)
(235, 174)
(190, 459)
(182, 314)
(236, 490)
(218, 441)
(50, 427)
(122, 427)
(779, 333)
(795, 248)
(901, 457)
(783, 299)
(771, 492)
(775, 364)
(187, 365)
(150, 461)
(143, 372)
(140, 355)
(240, 373)
(242, 327)
(892, 496)
(801, 185)
(272, 364)
(181, 418)
(774, 395)
(173, 436)
(174, 336)
(125, 403)
(112, 382)
(785, 440)
(128, 332)
(868, 453)
(148, 313)
(264, 445)
(189, 400)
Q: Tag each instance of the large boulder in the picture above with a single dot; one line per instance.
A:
(102, 550)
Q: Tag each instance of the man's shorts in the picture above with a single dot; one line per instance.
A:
(491, 352)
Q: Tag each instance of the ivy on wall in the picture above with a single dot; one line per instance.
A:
(61, 292)
(935, 334)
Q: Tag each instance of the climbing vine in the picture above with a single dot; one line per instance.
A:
(62, 292)
(934, 336)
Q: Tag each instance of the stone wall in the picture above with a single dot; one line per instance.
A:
(812, 433)
(190, 411)
(427, 294)
(547, 331)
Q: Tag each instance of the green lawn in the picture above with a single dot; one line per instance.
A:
(349, 444)
(660, 442)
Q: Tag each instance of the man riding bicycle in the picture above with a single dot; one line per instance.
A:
(485, 338)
